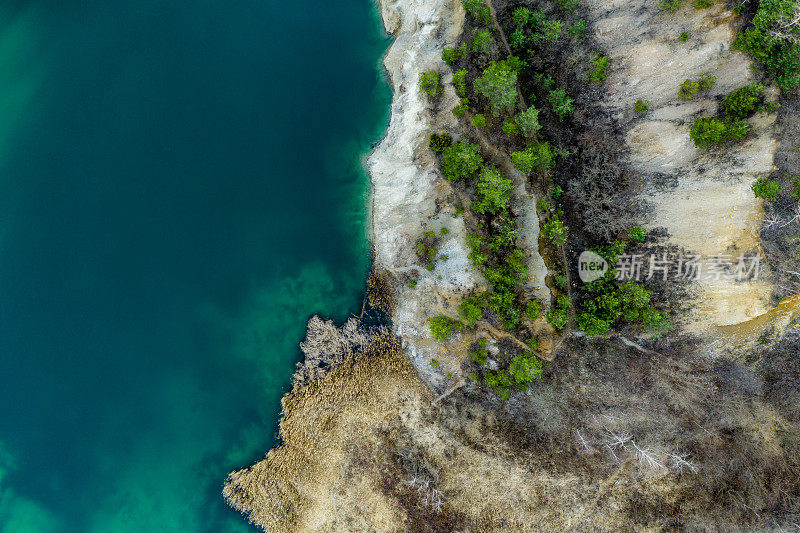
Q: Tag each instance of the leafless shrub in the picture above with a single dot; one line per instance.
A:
(327, 346)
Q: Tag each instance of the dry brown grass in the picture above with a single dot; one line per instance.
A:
(610, 440)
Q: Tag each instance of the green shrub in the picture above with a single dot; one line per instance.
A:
(561, 281)
(528, 121)
(493, 190)
(536, 156)
(500, 381)
(630, 302)
(479, 121)
(434, 363)
(563, 302)
(684, 37)
(569, 6)
(545, 82)
(555, 231)
(577, 28)
(430, 83)
(440, 142)
(702, 4)
(561, 103)
(736, 129)
(743, 102)
(689, 88)
(774, 42)
(592, 325)
(460, 82)
(547, 30)
(641, 106)
(556, 192)
(637, 234)
(520, 17)
(444, 231)
(504, 233)
(442, 326)
(518, 40)
(796, 187)
(460, 110)
(671, 5)
(472, 6)
(451, 55)
(479, 353)
(705, 83)
(470, 310)
(479, 10)
(482, 42)
(525, 369)
(543, 204)
(706, 132)
(558, 318)
(510, 128)
(515, 64)
(499, 85)
(461, 160)
(476, 255)
(598, 71)
(533, 309)
(412, 283)
(766, 189)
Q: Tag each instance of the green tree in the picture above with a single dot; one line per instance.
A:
(742, 103)
(461, 160)
(482, 42)
(525, 369)
(558, 318)
(561, 103)
(440, 142)
(554, 230)
(452, 55)
(479, 121)
(528, 121)
(510, 127)
(641, 106)
(460, 82)
(577, 28)
(536, 156)
(499, 85)
(520, 17)
(533, 309)
(430, 83)
(773, 39)
(548, 30)
(494, 191)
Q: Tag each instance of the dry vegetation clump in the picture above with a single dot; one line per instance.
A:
(380, 293)
(327, 346)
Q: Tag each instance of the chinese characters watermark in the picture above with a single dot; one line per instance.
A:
(641, 267)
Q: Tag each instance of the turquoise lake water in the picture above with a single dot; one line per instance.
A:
(180, 189)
